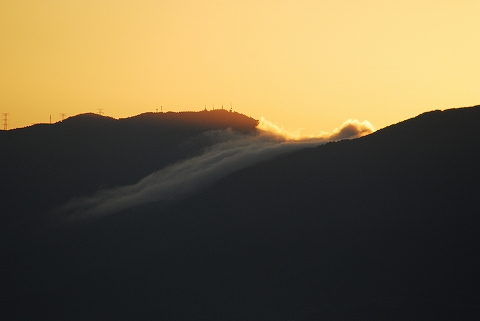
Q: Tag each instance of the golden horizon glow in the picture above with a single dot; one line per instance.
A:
(305, 65)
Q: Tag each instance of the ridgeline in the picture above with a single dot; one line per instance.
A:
(45, 165)
(383, 227)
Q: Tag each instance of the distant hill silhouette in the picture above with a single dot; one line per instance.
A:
(45, 165)
(384, 227)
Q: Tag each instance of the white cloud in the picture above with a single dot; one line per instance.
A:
(233, 152)
(351, 128)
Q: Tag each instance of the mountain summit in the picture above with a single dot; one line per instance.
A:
(381, 227)
(48, 164)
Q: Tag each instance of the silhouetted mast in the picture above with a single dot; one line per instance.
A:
(5, 120)
(63, 116)
(100, 111)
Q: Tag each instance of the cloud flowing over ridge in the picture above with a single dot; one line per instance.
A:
(351, 128)
(233, 151)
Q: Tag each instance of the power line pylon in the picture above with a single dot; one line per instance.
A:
(63, 116)
(100, 111)
(5, 120)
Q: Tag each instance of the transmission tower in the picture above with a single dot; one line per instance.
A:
(5, 120)
(63, 116)
(100, 111)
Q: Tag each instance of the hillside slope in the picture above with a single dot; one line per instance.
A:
(384, 227)
(46, 165)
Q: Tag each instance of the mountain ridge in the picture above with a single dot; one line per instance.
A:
(380, 227)
(47, 164)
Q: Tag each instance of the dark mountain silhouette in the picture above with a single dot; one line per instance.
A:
(46, 165)
(384, 227)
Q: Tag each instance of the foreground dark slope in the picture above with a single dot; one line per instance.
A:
(391, 216)
(46, 165)
(384, 227)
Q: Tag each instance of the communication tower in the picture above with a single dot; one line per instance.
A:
(5, 120)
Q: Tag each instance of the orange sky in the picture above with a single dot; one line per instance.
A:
(306, 64)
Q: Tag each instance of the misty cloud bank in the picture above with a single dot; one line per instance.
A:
(351, 128)
(233, 151)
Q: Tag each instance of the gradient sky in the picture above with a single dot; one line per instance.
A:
(306, 64)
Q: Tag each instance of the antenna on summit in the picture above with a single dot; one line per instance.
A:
(63, 116)
(100, 111)
(5, 120)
